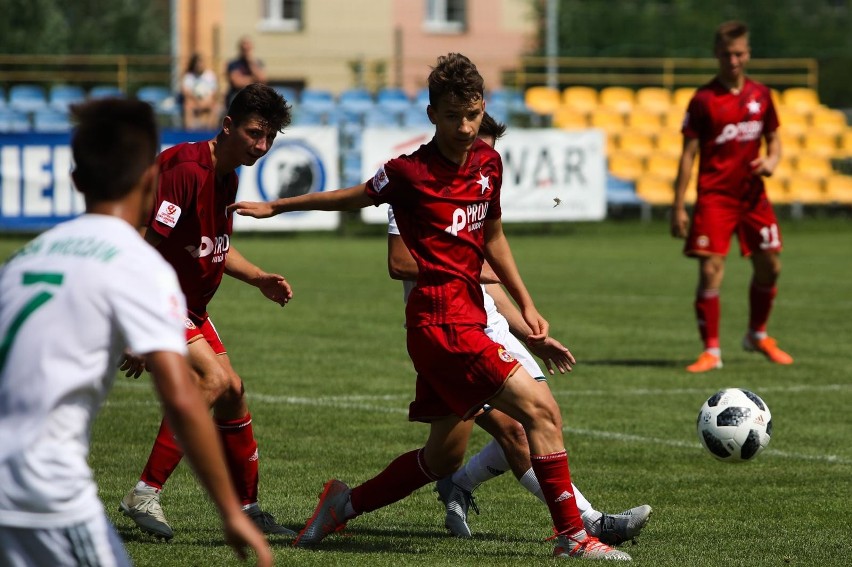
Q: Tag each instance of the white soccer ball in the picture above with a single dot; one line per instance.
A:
(734, 425)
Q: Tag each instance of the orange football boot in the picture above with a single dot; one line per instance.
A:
(768, 348)
(705, 363)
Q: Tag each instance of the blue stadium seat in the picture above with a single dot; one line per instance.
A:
(27, 98)
(12, 121)
(105, 91)
(355, 100)
(317, 100)
(393, 99)
(382, 117)
(155, 95)
(290, 94)
(308, 117)
(415, 117)
(2, 97)
(51, 120)
(63, 96)
(510, 98)
(422, 99)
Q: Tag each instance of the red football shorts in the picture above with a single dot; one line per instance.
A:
(458, 369)
(197, 329)
(717, 217)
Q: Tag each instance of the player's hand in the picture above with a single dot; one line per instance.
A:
(539, 325)
(256, 209)
(133, 366)
(679, 222)
(275, 288)
(763, 166)
(241, 534)
(553, 353)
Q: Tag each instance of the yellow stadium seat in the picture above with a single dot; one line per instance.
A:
(828, 120)
(791, 142)
(821, 143)
(846, 143)
(636, 142)
(569, 118)
(625, 165)
(793, 121)
(673, 120)
(776, 190)
(669, 142)
(621, 99)
(655, 99)
(813, 165)
(682, 96)
(607, 119)
(641, 118)
(801, 99)
(784, 168)
(542, 100)
(838, 189)
(582, 99)
(655, 190)
(806, 190)
(662, 165)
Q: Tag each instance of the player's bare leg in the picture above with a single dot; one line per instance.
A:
(536, 409)
(711, 272)
(762, 290)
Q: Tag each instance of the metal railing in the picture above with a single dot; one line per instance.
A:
(122, 71)
(668, 72)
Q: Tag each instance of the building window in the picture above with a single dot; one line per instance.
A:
(281, 15)
(445, 16)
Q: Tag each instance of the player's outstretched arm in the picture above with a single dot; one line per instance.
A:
(190, 419)
(348, 199)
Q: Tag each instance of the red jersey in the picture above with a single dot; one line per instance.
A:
(440, 209)
(189, 212)
(729, 127)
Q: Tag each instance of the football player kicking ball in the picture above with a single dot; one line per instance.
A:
(725, 121)
(70, 302)
(508, 450)
(189, 227)
(446, 198)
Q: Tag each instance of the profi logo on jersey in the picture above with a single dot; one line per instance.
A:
(742, 132)
(218, 247)
(470, 218)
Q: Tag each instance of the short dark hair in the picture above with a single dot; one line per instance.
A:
(455, 75)
(729, 31)
(113, 142)
(264, 101)
(490, 127)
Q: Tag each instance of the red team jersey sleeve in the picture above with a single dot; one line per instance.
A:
(176, 191)
(440, 209)
(729, 127)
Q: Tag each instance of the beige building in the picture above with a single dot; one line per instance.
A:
(338, 44)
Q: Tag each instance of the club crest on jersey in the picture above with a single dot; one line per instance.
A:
(702, 241)
(470, 218)
(505, 355)
(168, 214)
(189, 324)
(380, 179)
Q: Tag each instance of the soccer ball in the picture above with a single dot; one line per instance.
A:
(734, 425)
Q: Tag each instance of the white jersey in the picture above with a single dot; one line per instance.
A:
(496, 326)
(71, 301)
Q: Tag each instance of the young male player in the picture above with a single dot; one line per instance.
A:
(70, 302)
(446, 198)
(189, 227)
(724, 124)
(508, 450)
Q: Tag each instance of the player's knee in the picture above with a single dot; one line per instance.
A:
(513, 437)
(215, 382)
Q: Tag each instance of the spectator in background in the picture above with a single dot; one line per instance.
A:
(244, 70)
(199, 91)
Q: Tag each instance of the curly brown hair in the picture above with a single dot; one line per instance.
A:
(264, 101)
(457, 77)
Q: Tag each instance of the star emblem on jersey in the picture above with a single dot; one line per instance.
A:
(484, 183)
(753, 107)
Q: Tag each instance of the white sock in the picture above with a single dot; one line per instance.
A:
(142, 485)
(582, 504)
(485, 465)
(530, 482)
(715, 351)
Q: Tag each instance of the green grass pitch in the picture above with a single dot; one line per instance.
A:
(329, 381)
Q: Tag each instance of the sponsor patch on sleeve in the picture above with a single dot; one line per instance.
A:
(380, 179)
(168, 214)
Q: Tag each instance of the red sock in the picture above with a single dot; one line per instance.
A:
(555, 480)
(241, 455)
(404, 475)
(707, 310)
(760, 299)
(164, 458)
